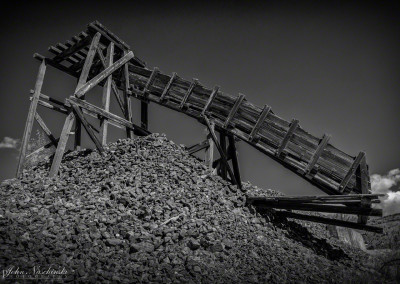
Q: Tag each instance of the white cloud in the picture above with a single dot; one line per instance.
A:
(388, 184)
(9, 143)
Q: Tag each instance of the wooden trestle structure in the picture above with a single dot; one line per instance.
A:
(96, 56)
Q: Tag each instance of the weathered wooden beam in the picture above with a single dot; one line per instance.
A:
(213, 94)
(222, 143)
(363, 182)
(351, 171)
(88, 62)
(46, 146)
(112, 117)
(198, 147)
(30, 119)
(194, 83)
(330, 221)
(104, 74)
(235, 162)
(45, 129)
(221, 152)
(62, 143)
(106, 95)
(168, 87)
(259, 122)
(309, 198)
(150, 81)
(319, 208)
(321, 146)
(89, 131)
(127, 97)
(209, 155)
(287, 137)
(234, 110)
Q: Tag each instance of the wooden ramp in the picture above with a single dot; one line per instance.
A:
(97, 56)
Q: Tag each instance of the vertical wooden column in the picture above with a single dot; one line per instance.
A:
(144, 115)
(106, 95)
(127, 98)
(222, 142)
(235, 162)
(31, 117)
(81, 81)
(363, 182)
(209, 155)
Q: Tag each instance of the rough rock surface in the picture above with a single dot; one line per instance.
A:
(146, 211)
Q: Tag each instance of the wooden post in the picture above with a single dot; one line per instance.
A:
(235, 162)
(127, 97)
(351, 171)
(222, 142)
(62, 143)
(363, 182)
(31, 117)
(168, 87)
(88, 62)
(259, 122)
(209, 155)
(234, 110)
(106, 95)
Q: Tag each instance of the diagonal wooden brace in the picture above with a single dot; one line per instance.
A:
(221, 152)
(104, 74)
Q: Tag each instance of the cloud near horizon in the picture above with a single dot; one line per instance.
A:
(9, 143)
(388, 184)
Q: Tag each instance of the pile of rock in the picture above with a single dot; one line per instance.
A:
(146, 211)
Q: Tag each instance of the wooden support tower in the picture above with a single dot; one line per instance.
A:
(97, 57)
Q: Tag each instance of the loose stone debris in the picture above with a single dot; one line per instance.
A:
(146, 211)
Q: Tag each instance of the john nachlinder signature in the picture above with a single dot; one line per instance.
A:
(37, 272)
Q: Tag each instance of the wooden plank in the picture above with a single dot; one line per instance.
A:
(194, 83)
(104, 74)
(112, 117)
(88, 62)
(106, 95)
(46, 146)
(235, 162)
(198, 147)
(287, 137)
(330, 221)
(89, 131)
(321, 146)
(319, 208)
(45, 129)
(30, 119)
(150, 81)
(168, 87)
(316, 197)
(75, 48)
(210, 100)
(259, 122)
(50, 106)
(351, 171)
(234, 109)
(62, 143)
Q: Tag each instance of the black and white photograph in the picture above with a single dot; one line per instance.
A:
(200, 142)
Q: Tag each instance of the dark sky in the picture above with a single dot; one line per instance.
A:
(334, 66)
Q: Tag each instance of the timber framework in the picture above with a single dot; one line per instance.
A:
(97, 57)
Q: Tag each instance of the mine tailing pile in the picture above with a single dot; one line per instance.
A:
(146, 211)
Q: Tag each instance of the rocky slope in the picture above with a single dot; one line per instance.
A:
(146, 211)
